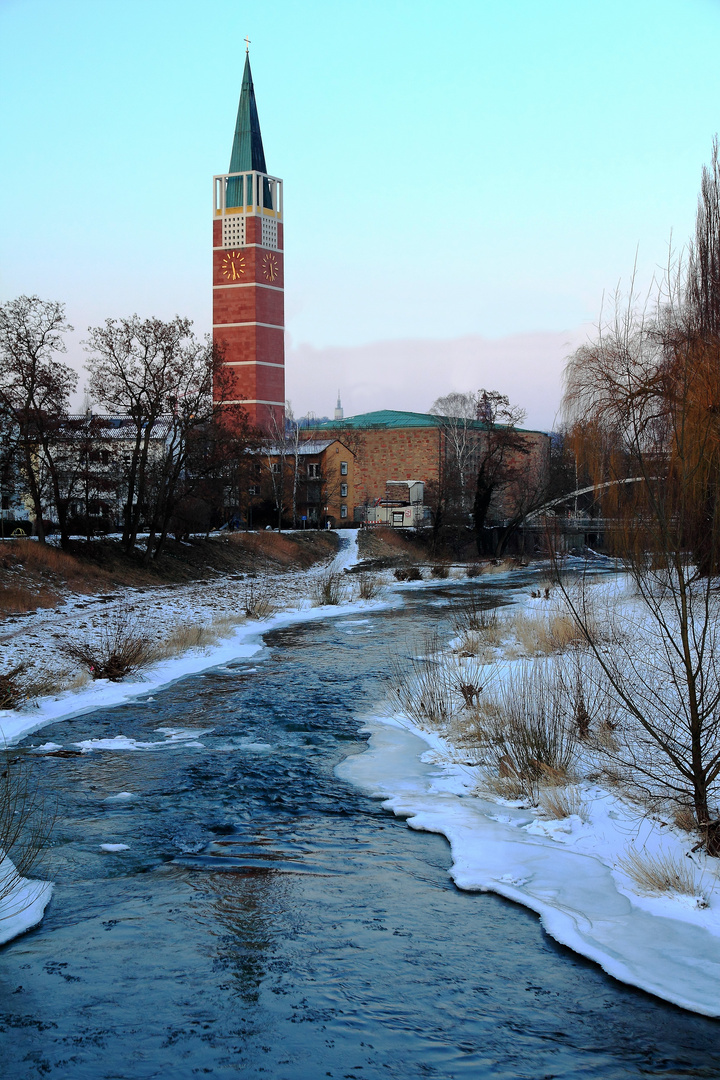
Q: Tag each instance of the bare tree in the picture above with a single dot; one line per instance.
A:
(644, 400)
(35, 390)
(457, 414)
(170, 384)
(277, 451)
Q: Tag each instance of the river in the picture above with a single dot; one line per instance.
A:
(267, 919)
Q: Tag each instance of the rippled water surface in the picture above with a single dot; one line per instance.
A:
(267, 920)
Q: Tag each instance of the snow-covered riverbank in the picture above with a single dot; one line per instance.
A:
(571, 870)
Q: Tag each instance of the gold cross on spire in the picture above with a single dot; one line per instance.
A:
(247, 44)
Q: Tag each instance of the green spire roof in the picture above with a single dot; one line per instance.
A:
(247, 150)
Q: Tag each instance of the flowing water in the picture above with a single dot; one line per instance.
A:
(268, 920)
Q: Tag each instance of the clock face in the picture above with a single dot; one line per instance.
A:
(270, 267)
(233, 266)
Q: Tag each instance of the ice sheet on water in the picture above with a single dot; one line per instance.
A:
(114, 847)
(122, 796)
(173, 737)
(24, 903)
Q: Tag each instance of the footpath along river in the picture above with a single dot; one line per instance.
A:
(267, 919)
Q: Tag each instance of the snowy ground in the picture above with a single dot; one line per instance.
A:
(565, 870)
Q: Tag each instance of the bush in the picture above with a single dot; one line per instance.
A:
(25, 827)
(120, 650)
(368, 586)
(476, 615)
(11, 690)
(440, 570)
(21, 685)
(423, 689)
(328, 589)
(256, 602)
(401, 573)
(414, 574)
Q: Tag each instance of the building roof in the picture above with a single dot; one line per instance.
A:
(305, 448)
(247, 153)
(116, 428)
(393, 418)
(383, 418)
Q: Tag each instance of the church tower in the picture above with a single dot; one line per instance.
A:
(248, 273)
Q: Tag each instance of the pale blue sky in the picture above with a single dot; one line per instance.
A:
(466, 169)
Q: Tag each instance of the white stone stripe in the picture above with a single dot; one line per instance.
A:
(246, 363)
(253, 401)
(236, 247)
(250, 285)
(269, 325)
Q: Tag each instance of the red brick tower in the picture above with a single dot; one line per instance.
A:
(248, 272)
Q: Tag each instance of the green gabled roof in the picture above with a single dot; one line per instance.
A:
(247, 154)
(392, 418)
(384, 418)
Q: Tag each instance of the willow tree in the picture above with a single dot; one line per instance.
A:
(643, 403)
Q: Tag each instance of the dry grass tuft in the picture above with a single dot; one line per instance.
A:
(183, 638)
(562, 802)
(368, 586)
(18, 599)
(502, 787)
(542, 633)
(684, 818)
(498, 566)
(661, 873)
(440, 570)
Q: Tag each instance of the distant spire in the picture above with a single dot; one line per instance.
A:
(339, 414)
(247, 149)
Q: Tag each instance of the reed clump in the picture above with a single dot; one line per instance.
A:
(661, 873)
(329, 589)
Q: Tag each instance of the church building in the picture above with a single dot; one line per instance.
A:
(248, 273)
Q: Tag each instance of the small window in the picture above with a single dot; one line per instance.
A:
(254, 490)
(275, 467)
(313, 470)
(343, 491)
(343, 468)
(343, 511)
